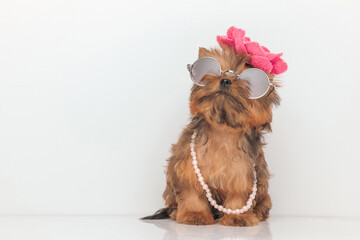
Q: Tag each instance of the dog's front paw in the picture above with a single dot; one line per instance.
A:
(195, 218)
(245, 219)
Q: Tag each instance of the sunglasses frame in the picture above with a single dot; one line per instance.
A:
(190, 67)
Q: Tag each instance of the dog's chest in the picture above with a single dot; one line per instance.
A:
(224, 163)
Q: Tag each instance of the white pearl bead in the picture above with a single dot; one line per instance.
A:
(228, 210)
(213, 202)
(241, 211)
(216, 206)
(210, 199)
(207, 190)
(206, 187)
(194, 162)
(237, 211)
(201, 179)
(233, 211)
(220, 208)
(208, 195)
(224, 210)
(197, 170)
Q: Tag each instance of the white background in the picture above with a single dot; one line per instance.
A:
(93, 94)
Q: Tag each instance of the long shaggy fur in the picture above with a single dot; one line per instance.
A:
(229, 142)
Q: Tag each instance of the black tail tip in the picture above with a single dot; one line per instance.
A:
(160, 214)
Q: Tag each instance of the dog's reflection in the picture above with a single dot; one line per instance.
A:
(181, 231)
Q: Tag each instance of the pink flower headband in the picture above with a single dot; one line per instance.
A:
(261, 57)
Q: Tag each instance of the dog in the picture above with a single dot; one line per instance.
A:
(217, 172)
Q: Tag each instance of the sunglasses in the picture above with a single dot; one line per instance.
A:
(258, 80)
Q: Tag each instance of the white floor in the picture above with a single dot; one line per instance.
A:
(130, 227)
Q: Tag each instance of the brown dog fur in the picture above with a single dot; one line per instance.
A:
(230, 131)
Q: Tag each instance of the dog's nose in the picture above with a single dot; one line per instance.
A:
(225, 82)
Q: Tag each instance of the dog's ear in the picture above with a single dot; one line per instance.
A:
(203, 52)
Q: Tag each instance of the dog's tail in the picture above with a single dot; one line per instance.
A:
(160, 214)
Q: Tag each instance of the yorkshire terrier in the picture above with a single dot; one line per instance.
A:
(217, 172)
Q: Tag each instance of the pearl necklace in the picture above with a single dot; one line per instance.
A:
(212, 201)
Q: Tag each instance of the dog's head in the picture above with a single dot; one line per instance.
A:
(224, 99)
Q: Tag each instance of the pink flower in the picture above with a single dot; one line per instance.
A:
(261, 57)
